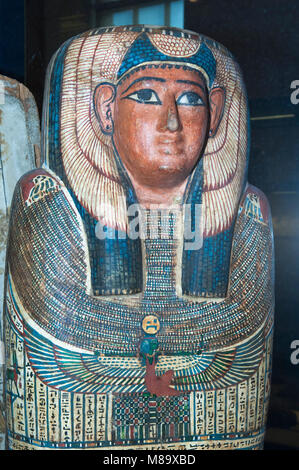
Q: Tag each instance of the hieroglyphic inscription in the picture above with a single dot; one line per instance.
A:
(252, 402)
(200, 412)
(78, 417)
(268, 375)
(220, 411)
(89, 418)
(30, 400)
(242, 406)
(41, 401)
(231, 409)
(101, 417)
(210, 412)
(53, 415)
(19, 416)
(66, 417)
(261, 395)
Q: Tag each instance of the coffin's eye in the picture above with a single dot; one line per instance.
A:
(190, 98)
(145, 95)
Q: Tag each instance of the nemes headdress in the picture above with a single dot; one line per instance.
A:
(75, 147)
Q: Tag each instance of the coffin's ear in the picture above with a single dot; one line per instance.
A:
(217, 101)
(103, 102)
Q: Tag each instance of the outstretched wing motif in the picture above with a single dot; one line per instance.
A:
(68, 370)
(222, 369)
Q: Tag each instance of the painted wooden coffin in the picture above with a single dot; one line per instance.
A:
(129, 322)
(19, 152)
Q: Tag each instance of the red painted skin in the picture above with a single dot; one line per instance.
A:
(160, 139)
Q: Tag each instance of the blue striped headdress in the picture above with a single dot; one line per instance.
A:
(144, 53)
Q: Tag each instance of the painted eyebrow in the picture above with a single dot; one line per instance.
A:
(190, 82)
(158, 79)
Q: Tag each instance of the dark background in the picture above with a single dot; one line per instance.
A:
(263, 35)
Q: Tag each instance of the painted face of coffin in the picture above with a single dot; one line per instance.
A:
(159, 119)
(161, 141)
